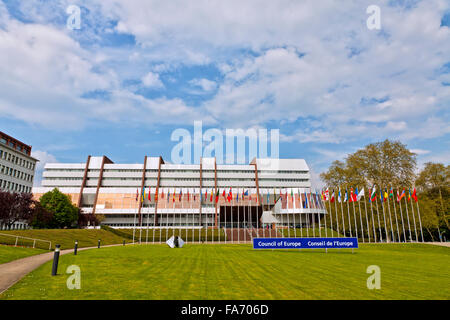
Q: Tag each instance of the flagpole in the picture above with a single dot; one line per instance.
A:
(301, 214)
(323, 204)
(288, 219)
(395, 215)
(337, 215)
(420, 220)
(238, 220)
(354, 218)
(401, 215)
(348, 212)
(384, 217)
(407, 217)
(390, 219)
(342, 211)
(373, 220)
(414, 218)
(294, 209)
(367, 218)
(360, 218)
(318, 211)
(378, 216)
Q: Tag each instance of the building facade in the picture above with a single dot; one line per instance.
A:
(17, 167)
(156, 194)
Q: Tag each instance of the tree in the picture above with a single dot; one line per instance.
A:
(65, 214)
(434, 182)
(15, 207)
(387, 163)
(41, 218)
(87, 219)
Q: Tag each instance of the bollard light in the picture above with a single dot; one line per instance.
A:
(55, 260)
(99, 243)
(123, 242)
(75, 248)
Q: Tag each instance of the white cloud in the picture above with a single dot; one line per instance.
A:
(420, 151)
(152, 80)
(43, 157)
(205, 84)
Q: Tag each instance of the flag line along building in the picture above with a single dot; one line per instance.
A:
(156, 194)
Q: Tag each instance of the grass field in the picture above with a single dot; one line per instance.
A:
(8, 253)
(188, 235)
(408, 271)
(65, 237)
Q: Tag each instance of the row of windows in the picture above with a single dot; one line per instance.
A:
(17, 147)
(17, 160)
(15, 187)
(15, 173)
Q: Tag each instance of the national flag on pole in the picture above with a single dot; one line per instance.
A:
(143, 194)
(391, 193)
(230, 195)
(168, 196)
(292, 194)
(246, 193)
(224, 194)
(373, 194)
(332, 197)
(217, 196)
(274, 196)
(401, 195)
(409, 194)
(414, 195)
(149, 194)
(306, 200)
(180, 195)
(162, 194)
(137, 194)
(188, 195)
(156, 196)
(173, 196)
(339, 196)
(360, 194)
(211, 197)
(385, 195)
(346, 196)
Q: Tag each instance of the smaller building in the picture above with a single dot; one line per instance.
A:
(17, 167)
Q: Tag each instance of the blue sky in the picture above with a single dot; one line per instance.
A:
(135, 71)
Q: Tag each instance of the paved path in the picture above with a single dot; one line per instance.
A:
(13, 271)
(444, 244)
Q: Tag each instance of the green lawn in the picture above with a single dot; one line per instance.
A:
(8, 253)
(65, 237)
(187, 235)
(408, 271)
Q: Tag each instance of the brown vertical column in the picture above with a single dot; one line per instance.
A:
(83, 183)
(200, 198)
(257, 182)
(157, 190)
(142, 188)
(215, 191)
(99, 183)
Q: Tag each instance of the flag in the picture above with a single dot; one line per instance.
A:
(391, 193)
(346, 196)
(137, 194)
(217, 196)
(188, 195)
(211, 197)
(168, 196)
(373, 194)
(332, 197)
(414, 195)
(385, 195)
(143, 194)
(179, 196)
(173, 196)
(306, 200)
(162, 194)
(156, 196)
(246, 193)
(149, 195)
(292, 194)
(206, 195)
(409, 195)
(401, 195)
(360, 194)
(230, 195)
(339, 196)
(224, 194)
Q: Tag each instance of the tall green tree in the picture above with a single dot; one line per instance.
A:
(65, 214)
(386, 163)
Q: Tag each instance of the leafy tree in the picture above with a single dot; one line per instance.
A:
(15, 207)
(387, 163)
(41, 218)
(87, 219)
(65, 214)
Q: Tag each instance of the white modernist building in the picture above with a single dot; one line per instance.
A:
(155, 194)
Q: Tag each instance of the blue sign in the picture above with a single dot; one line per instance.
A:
(305, 243)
